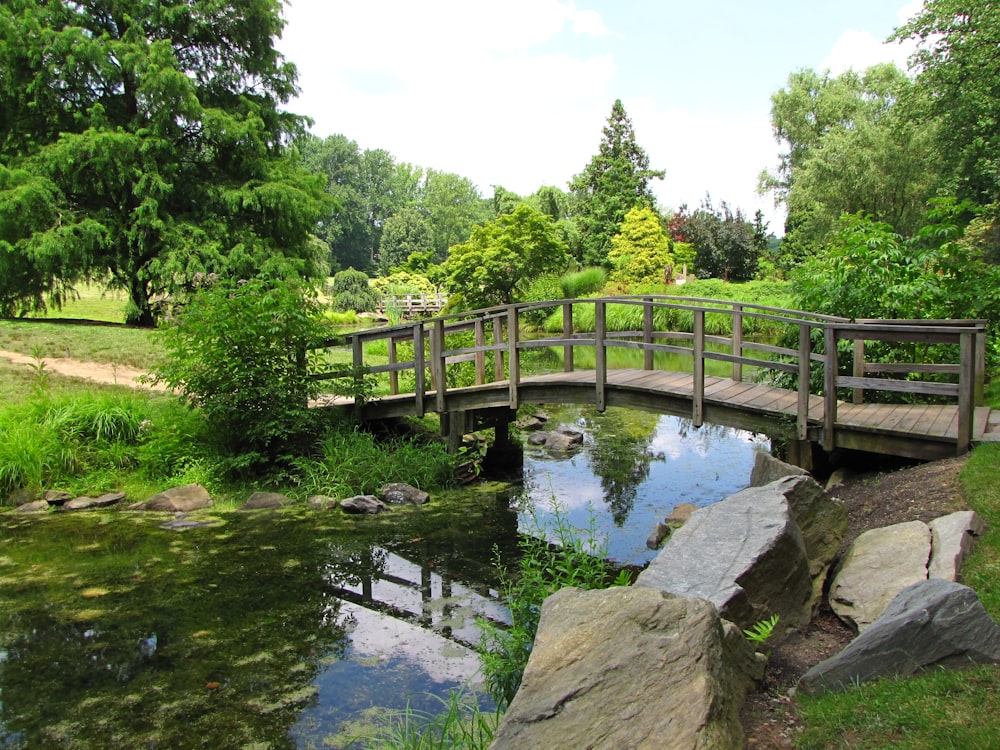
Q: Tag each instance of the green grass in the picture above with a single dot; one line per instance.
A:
(92, 302)
(133, 347)
(940, 709)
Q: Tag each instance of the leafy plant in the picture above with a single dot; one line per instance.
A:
(238, 353)
(352, 292)
(759, 633)
(551, 558)
(585, 281)
(462, 724)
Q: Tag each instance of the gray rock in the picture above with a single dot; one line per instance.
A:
(56, 497)
(399, 493)
(180, 499)
(822, 522)
(321, 502)
(767, 468)
(368, 504)
(953, 537)
(21, 496)
(89, 503)
(35, 506)
(932, 623)
(529, 423)
(629, 668)
(744, 554)
(877, 566)
(562, 440)
(266, 500)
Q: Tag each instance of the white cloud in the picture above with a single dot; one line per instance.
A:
(859, 50)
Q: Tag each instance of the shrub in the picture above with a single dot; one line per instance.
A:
(237, 352)
(352, 292)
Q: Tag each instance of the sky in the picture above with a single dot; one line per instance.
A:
(516, 93)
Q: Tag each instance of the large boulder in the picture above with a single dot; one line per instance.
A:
(630, 668)
(744, 554)
(180, 499)
(931, 623)
(90, 503)
(876, 567)
(558, 441)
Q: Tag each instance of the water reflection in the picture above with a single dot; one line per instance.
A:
(271, 630)
(633, 468)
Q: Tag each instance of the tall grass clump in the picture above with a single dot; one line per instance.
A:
(581, 283)
(461, 724)
(553, 555)
(350, 461)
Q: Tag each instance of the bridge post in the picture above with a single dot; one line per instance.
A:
(698, 375)
(966, 391)
(480, 342)
(418, 369)
(567, 334)
(513, 360)
(805, 354)
(647, 332)
(738, 341)
(830, 366)
(600, 353)
(497, 350)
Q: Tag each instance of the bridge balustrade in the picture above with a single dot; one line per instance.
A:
(807, 358)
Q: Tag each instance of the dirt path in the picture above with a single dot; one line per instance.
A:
(97, 372)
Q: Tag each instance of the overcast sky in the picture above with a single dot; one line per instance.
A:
(515, 93)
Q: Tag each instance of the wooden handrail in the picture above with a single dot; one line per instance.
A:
(505, 346)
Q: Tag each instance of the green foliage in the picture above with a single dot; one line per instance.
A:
(641, 249)
(960, 101)
(854, 144)
(726, 245)
(615, 181)
(461, 725)
(405, 232)
(551, 559)
(352, 291)
(142, 147)
(502, 257)
(760, 632)
(402, 282)
(583, 282)
(350, 461)
(237, 352)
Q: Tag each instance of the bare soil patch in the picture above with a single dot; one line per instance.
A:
(873, 500)
(97, 372)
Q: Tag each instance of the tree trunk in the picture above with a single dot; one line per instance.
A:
(139, 312)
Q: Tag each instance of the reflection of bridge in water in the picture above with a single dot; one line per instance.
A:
(818, 388)
(423, 594)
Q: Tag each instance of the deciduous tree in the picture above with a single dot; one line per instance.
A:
(504, 255)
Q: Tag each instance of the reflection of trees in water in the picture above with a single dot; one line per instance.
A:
(620, 455)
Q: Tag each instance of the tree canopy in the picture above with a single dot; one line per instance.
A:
(503, 256)
(616, 180)
(143, 144)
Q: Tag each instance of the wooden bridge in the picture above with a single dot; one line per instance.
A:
(813, 386)
(409, 306)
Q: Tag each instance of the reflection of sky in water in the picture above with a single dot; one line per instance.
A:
(392, 662)
(697, 466)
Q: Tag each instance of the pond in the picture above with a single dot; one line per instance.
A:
(297, 628)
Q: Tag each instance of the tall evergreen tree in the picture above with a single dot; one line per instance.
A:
(616, 180)
(142, 143)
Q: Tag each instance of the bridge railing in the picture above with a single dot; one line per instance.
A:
(708, 331)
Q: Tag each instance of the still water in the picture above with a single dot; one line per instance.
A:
(295, 628)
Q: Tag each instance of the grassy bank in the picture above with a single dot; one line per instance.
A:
(940, 709)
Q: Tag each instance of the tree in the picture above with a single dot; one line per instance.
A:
(959, 76)
(405, 232)
(616, 180)
(453, 207)
(725, 243)
(852, 146)
(504, 255)
(148, 141)
(641, 250)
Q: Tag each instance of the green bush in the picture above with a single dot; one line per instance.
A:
(351, 291)
(237, 352)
